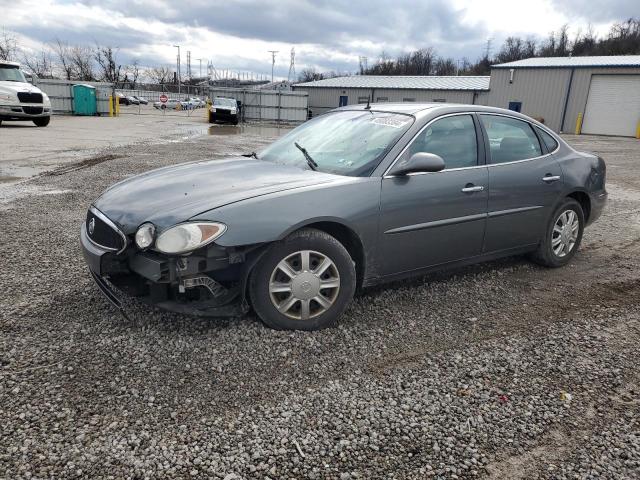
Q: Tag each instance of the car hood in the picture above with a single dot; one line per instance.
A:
(174, 194)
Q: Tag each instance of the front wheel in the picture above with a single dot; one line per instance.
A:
(562, 236)
(304, 282)
(42, 121)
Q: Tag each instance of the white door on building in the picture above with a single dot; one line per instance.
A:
(613, 105)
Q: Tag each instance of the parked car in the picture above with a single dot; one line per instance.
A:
(19, 100)
(224, 110)
(132, 100)
(356, 197)
(141, 101)
(171, 104)
(123, 99)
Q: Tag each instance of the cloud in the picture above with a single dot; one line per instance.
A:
(327, 34)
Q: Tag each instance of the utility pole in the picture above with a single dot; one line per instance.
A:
(178, 69)
(189, 64)
(273, 61)
(200, 60)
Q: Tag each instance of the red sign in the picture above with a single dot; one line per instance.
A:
(164, 98)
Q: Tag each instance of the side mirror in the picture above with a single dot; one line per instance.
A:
(418, 162)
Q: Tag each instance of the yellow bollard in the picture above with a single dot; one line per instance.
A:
(111, 105)
(579, 124)
(638, 130)
(117, 103)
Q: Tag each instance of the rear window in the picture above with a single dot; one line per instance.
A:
(548, 140)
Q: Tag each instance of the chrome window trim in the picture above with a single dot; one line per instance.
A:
(108, 221)
(487, 165)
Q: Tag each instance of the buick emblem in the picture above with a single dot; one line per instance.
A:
(92, 225)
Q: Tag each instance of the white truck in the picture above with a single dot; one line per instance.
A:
(19, 100)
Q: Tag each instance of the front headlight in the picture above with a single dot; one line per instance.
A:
(233, 110)
(8, 97)
(187, 237)
(212, 109)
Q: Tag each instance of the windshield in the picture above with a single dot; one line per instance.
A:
(345, 143)
(226, 102)
(11, 74)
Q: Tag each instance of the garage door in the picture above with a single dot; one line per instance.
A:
(613, 106)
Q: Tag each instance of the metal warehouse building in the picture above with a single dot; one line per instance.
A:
(337, 92)
(594, 95)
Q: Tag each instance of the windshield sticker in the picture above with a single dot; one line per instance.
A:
(395, 122)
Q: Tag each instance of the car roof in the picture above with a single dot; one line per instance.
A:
(433, 109)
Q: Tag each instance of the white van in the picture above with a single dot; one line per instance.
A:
(19, 100)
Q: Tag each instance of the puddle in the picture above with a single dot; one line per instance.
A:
(258, 130)
(7, 179)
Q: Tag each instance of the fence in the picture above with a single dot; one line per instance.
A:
(267, 105)
(60, 93)
(270, 105)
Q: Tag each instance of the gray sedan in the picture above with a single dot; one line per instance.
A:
(356, 197)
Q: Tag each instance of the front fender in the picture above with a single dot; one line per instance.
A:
(272, 217)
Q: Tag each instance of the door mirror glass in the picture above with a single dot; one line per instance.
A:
(418, 162)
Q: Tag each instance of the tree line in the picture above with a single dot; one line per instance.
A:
(623, 38)
(79, 62)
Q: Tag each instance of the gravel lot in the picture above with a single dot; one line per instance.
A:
(505, 370)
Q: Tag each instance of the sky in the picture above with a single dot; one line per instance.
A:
(326, 34)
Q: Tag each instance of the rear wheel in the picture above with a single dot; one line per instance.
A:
(563, 235)
(304, 282)
(42, 121)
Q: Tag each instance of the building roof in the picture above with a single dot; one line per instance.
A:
(576, 62)
(402, 82)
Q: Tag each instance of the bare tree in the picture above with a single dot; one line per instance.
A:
(63, 53)
(82, 62)
(109, 68)
(8, 46)
(131, 73)
(160, 75)
(40, 63)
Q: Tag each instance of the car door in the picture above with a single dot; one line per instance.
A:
(524, 183)
(431, 218)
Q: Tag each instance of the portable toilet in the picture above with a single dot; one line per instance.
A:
(84, 100)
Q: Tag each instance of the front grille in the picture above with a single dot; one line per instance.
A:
(29, 97)
(224, 112)
(32, 110)
(102, 233)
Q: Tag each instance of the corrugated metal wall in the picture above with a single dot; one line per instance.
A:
(61, 94)
(541, 91)
(323, 99)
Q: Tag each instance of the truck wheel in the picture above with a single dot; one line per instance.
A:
(42, 121)
(303, 282)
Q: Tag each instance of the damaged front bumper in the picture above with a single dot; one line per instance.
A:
(210, 282)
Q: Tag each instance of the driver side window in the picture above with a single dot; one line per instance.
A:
(452, 138)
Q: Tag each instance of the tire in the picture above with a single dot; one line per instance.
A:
(42, 121)
(553, 240)
(339, 275)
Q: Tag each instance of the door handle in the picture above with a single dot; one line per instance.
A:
(469, 188)
(548, 178)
